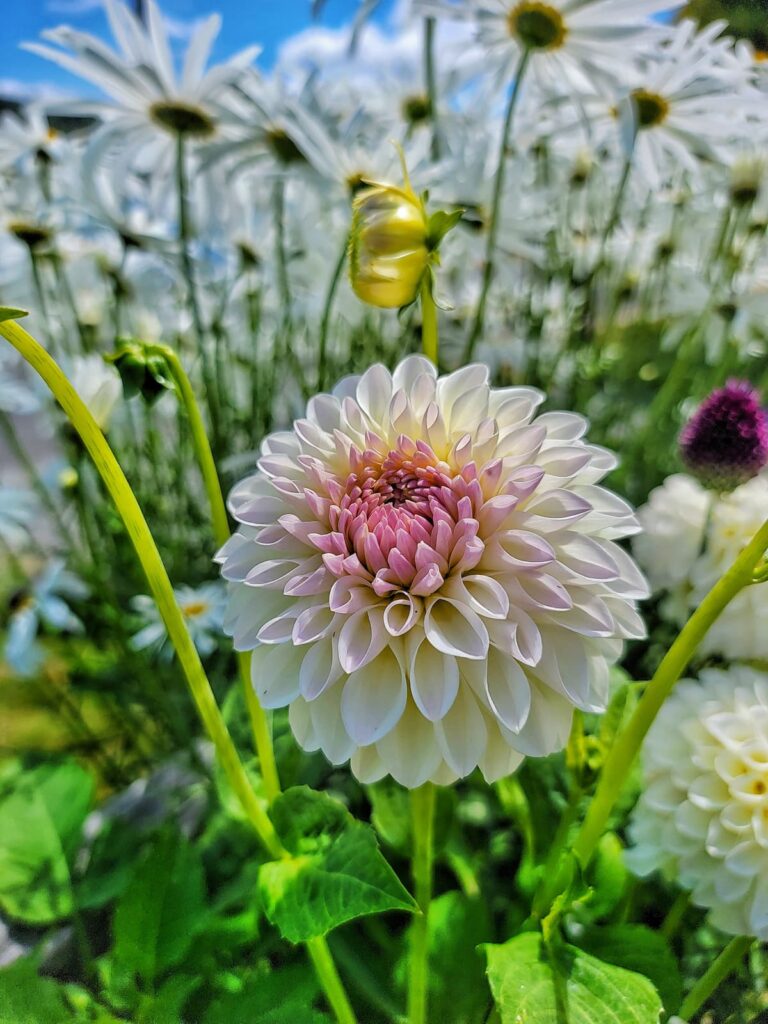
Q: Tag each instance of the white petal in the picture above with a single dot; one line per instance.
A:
(374, 699)
(275, 674)
(434, 679)
(410, 751)
(508, 690)
(462, 733)
(455, 629)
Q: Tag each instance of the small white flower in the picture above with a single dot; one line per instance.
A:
(45, 602)
(703, 817)
(203, 611)
(99, 386)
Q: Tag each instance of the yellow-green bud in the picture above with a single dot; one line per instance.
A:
(389, 249)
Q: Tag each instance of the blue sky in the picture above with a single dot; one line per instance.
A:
(267, 22)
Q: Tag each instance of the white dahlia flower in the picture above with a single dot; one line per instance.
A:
(703, 817)
(429, 576)
(690, 537)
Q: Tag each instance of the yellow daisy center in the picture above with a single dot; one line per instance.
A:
(537, 26)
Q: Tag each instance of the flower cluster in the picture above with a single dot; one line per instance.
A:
(428, 574)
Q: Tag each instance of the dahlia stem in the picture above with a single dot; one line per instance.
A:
(423, 822)
(493, 226)
(431, 84)
(718, 971)
(625, 749)
(674, 918)
(259, 723)
(322, 355)
(429, 336)
(619, 762)
(157, 577)
(331, 983)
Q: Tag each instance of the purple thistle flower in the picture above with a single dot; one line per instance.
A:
(725, 443)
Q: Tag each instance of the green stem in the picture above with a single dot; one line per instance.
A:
(619, 762)
(188, 271)
(674, 918)
(322, 356)
(329, 978)
(259, 722)
(493, 226)
(429, 335)
(431, 83)
(423, 821)
(157, 577)
(284, 287)
(725, 964)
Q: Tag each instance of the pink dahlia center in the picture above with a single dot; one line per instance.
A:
(403, 520)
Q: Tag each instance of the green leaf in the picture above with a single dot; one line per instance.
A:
(531, 983)
(457, 926)
(638, 948)
(161, 910)
(440, 223)
(41, 821)
(336, 871)
(283, 996)
(26, 998)
(166, 1006)
(9, 313)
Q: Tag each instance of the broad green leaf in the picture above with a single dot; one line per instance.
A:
(26, 998)
(335, 873)
(160, 912)
(457, 926)
(638, 948)
(283, 996)
(41, 821)
(9, 313)
(531, 984)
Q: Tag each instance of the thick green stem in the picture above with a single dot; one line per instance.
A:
(259, 722)
(322, 355)
(675, 915)
(332, 985)
(157, 577)
(493, 226)
(725, 964)
(619, 762)
(423, 822)
(429, 335)
(431, 84)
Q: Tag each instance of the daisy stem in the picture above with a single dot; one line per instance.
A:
(493, 225)
(260, 724)
(431, 84)
(718, 971)
(429, 336)
(322, 355)
(619, 762)
(160, 585)
(423, 823)
(188, 271)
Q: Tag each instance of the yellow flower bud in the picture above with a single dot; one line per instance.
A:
(389, 251)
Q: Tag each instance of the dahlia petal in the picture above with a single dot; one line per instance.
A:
(402, 614)
(451, 387)
(273, 573)
(279, 629)
(499, 760)
(434, 679)
(367, 765)
(410, 750)
(520, 549)
(523, 481)
(333, 738)
(374, 698)
(554, 510)
(564, 461)
(426, 581)
(261, 511)
(324, 410)
(351, 594)
(518, 636)
(313, 624)
(746, 859)
(362, 637)
(302, 726)
(275, 675)
(374, 391)
(455, 629)
(563, 426)
(520, 446)
(462, 734)
(496, 512)
(310, 584)
(587, 557)
(320, 669)
(547, 726)
(541, 591)
(409, 369)
(589, 615)
(508, 691)
(515, 406)
(483, 594)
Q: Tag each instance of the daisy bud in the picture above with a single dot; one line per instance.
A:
(703, 815)
(142, 373)
(726, 441)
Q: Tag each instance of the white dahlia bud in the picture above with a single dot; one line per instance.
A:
(690, 537)
(703, 817)
(429, 576)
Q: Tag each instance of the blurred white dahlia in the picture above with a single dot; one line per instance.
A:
(690, 537)
(703, 817)
(428, 576)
